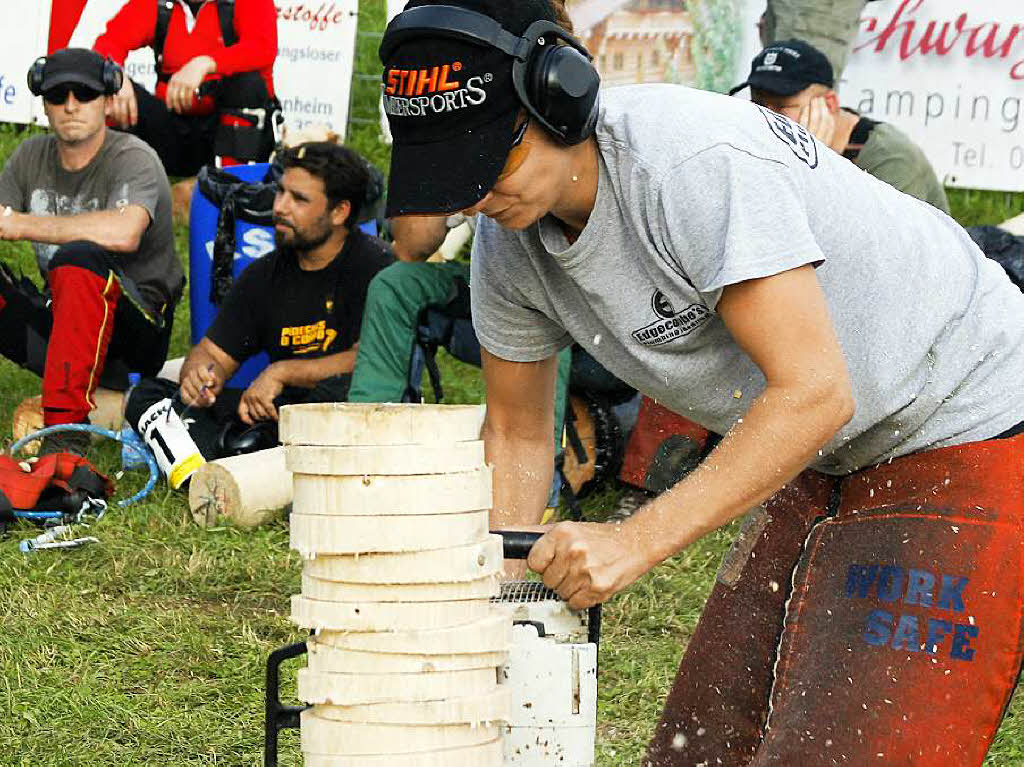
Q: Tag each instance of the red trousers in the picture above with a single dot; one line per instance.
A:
(870, 619)
(95, 328)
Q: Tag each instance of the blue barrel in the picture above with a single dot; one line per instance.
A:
(251, 242)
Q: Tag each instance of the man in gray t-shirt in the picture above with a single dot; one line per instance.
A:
(95, 204)
(856, 349)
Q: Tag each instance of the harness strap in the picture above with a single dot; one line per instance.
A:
(859, 137)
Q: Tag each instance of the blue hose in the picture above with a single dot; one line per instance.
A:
(39, 515)
(154, 472)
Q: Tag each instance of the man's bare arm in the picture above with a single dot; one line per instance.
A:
(258, 400)
(308, 373)
(204, 373)
(417, 238)
(517, 436)
(783, 324)
(119, 231)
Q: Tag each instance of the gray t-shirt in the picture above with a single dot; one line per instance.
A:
(126, 171)
(697, 192)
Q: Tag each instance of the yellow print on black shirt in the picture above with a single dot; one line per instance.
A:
(306, 339)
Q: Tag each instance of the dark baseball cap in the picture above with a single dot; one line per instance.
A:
(73, 65)
(451, 106)
(787, 67)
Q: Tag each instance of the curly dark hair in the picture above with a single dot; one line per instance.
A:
(343, 171)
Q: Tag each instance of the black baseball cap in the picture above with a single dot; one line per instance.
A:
(452, 108)
(80, 66)
(787, 67)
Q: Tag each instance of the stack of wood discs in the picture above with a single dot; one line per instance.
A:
(390, 512)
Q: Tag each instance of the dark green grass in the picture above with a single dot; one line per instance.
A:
(148, 648)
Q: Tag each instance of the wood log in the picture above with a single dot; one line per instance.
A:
(495, 706)
(360, 689)
(385, 616)
(350, 423)
(449, 565)
(109, 409)
(28, 416)
(335, 660)
(171, 371)
(327, 736)
(485, 755)
(335, 591)
(357, 535)
(374, 494)
(490, 634)
(386, 459)
(248, 490)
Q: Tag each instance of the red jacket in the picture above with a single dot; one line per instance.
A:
(255, 23)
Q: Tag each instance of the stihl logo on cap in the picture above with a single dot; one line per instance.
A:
(432, 91)
(414, 82)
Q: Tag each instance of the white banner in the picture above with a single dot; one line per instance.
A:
(948, 73)
(28, 26)
(316, 51)
(312, 74)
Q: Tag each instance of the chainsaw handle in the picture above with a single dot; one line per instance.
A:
(517, 543)
(277, 716)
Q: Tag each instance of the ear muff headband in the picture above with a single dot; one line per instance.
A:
(557, 84)
(449, 21)
(35, 76)
(113, 77)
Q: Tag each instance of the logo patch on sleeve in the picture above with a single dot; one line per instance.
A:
(796, 137)
(670, 324)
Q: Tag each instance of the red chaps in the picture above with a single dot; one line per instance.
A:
(870, 619)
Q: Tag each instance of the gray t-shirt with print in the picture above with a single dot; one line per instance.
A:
(697, 192)
(125, 171)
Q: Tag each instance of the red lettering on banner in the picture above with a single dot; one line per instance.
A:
(318, 20)
(990, 39)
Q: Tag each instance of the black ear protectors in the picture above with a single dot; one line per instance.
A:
(552, 73)
(112, 76)
(35, 76)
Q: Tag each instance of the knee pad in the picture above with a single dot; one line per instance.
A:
(83, 254)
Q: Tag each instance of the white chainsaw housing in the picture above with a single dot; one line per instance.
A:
(552, 681)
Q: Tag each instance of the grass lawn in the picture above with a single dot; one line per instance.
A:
(148, 648)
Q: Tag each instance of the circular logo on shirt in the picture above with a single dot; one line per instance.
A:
(662, 306)
(796, 137)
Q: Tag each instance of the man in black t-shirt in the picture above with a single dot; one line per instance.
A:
(302, 304)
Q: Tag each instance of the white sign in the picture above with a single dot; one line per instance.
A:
(312, 74)
(948, 73)
(29, 25)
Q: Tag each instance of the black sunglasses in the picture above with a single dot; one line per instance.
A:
(519, 133)
(59, 94)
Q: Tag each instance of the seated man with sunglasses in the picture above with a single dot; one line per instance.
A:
(96, 206)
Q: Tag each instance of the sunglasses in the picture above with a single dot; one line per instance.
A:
(516, 153)
(59, 94)
(520, 133)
